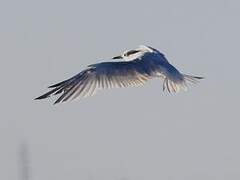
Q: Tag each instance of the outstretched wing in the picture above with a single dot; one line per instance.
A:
(101, 76)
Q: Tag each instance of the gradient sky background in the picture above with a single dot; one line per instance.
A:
(122, 134)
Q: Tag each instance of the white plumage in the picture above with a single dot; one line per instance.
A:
(139, 65)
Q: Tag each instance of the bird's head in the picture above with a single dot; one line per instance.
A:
(134, 53)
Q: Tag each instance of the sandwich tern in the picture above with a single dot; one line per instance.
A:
(133, 68)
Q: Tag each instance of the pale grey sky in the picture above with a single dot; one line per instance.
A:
(134, 133)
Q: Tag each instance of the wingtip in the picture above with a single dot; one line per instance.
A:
(44, 97)
(59, 100)
(40, 97)
(199, 77)
(37, 98)
(56, 102)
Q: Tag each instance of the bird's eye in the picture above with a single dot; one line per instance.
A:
(130, 52)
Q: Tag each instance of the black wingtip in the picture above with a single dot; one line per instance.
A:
(44, 97)
(38, 98)
(57, 85)
(199, 77)
(59, 100)
(48, 94)
(41, 97)
(55, 103)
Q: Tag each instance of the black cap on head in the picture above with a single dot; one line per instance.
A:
(117, 57)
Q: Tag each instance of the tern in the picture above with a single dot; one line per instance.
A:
(132, 68)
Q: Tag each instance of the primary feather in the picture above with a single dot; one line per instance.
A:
(139, 66)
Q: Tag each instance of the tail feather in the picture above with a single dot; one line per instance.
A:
(177, 84)
(192, 79)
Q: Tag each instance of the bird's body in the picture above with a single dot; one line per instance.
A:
(139, 66)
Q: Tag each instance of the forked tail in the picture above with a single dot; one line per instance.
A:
(173, 84)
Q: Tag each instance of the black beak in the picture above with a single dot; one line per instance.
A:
(117, 57)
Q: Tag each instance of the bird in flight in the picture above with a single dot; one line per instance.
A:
(132, 68)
